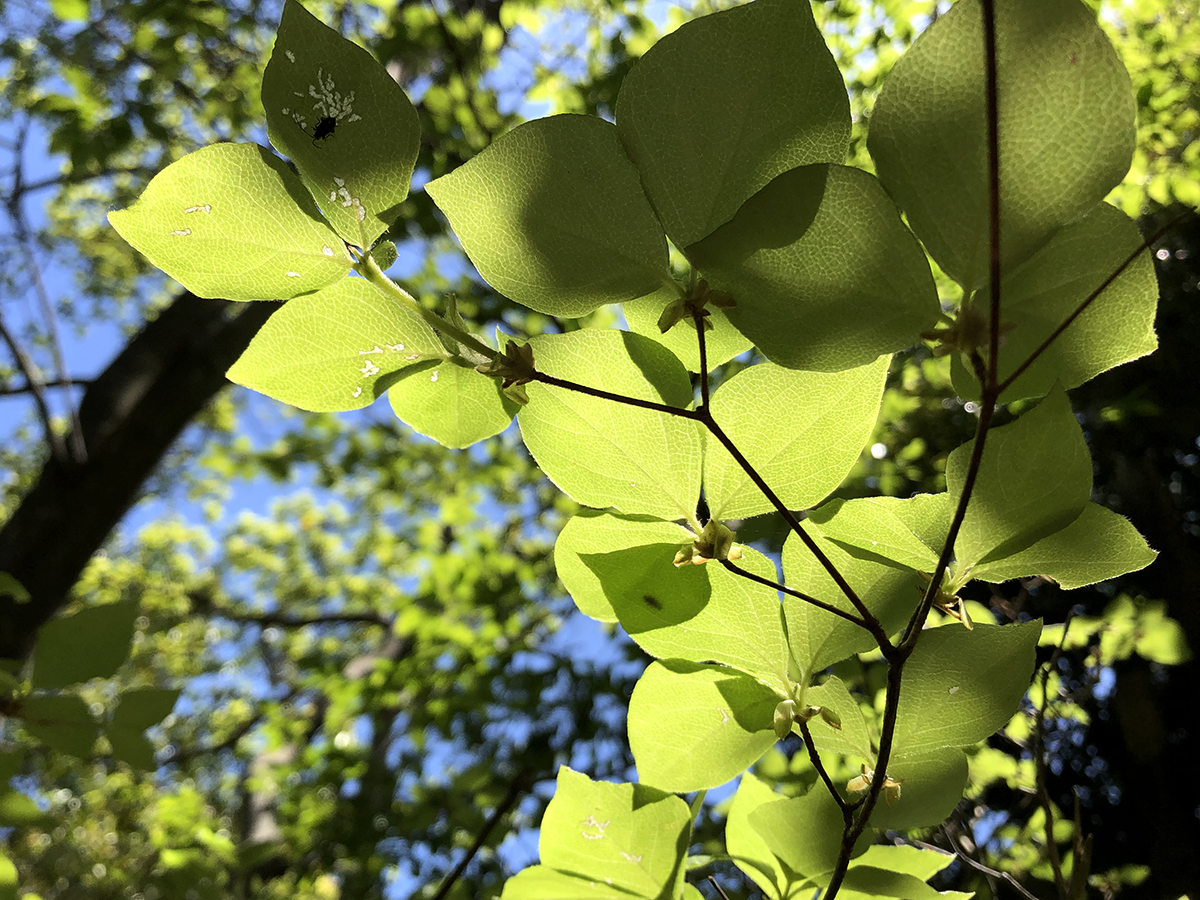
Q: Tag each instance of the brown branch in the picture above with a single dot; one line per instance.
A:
(130, 415)
(815, 759)
(519, 785)
(52, 383)
(792, 592)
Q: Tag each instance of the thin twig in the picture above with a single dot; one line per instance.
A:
(1039, 763)
(24, 238)
(58, 448)
(986, 870)
(518, 786)
(792, 592)
(1087, 301)
(869, 621)
(29, 388)
(693, 414)
(815, 759)
(724, 896)
(698, 319)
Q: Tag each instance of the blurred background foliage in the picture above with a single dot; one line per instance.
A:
(379, 671)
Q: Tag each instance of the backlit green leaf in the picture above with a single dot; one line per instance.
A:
(721, 343)
(698, 613)
(232, 221)
(694, 727)
(344, 121)
(749, 850)
(1042, 292)
(931, 782)
(452, 404)
(824, 274)
(852, 739)
(336, 349)
(598, 533)
(91, 643)
(819, 638)
(870, 528)
(630, 837)
(701, 112)
(871, 881)
(801, 431)
(1061, 149)
(960, 685)
(553, 215)
(603, 453)
(804, 832)
(1035, 478)
(1095, 547)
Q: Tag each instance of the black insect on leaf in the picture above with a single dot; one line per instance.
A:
(652, 602)
(324, 129)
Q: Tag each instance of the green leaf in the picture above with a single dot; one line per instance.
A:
(801, 431)
(870, 528)
(231, 221)
(804, 832)
(594, 532)
(920, 863)
(1042, 292)
(1095, 547)
(630, 837)
(1035, 478)
(694, 727)
(70, 10)
(8, 879)
(553, 215)
(701, 112)
(602, 453)
(91, 643)
(62, 721)
(1061, 150)
(747, 847)
(721, 343)
(824, 273)
(9, 586)
(863, 881)
(819, 638)
(344, 121)
(139, 709)
(853, 739)
(20, 811)
(452, 404)
(931, 783)
(544, 883)
(698, 613)
(960, 685)
(337, 349)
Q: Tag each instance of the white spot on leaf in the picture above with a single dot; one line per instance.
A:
(412, 356)
(356, 393)
(328, 251)
(182, 232)
(397, 347)
(375, 349)
(955, 689)
(206, 208)
(433, 377)
(293, 274)
(632, 859)
(724, 716)
(290, 55)
(369, 368)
